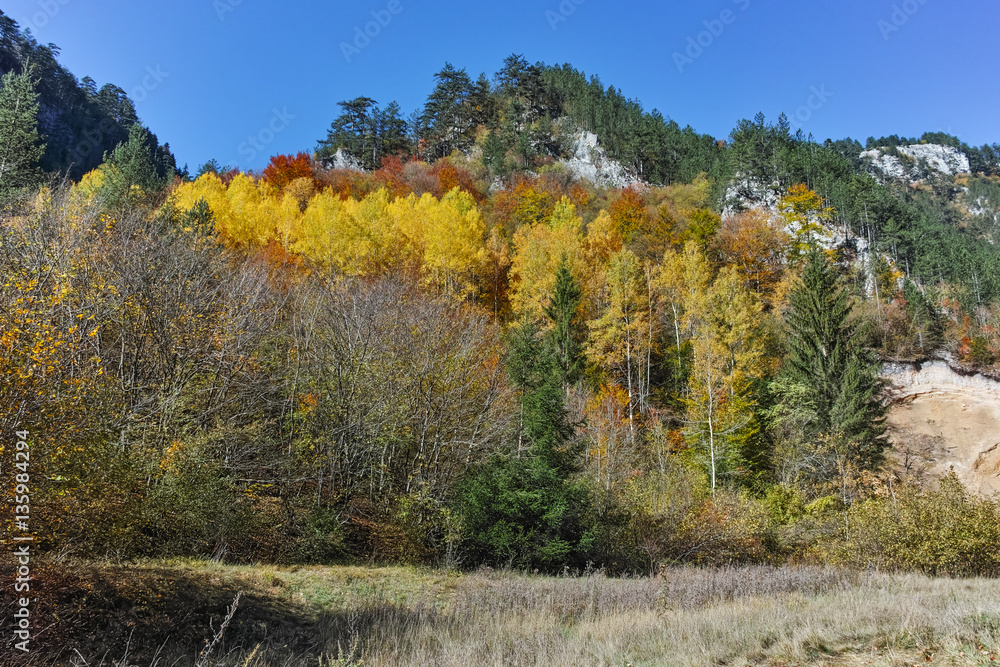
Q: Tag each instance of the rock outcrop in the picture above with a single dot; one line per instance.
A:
(914, 162)
(591, 162)
(341, 160)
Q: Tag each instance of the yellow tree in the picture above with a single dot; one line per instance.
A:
(350, 236)
(805, 215)
(727, 354)
(443, 237)
(682, 277)
(454, 250)
(611, 450)
(247, 213)
(756, 245)
(538, 250)
(618, 337)
(325, 231)
(496, 273)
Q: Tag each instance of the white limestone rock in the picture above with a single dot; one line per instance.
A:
(342, 160)
(591, 162)
(916, 161)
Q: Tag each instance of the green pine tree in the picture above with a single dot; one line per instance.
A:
(132, 164)
(20, 145)
(446, 120)
(566, 332)
(525, 510)
(928, 323)
(840, 378)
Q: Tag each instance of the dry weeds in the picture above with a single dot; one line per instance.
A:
(724, 616)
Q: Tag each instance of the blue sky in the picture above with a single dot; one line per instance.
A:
(210, 75)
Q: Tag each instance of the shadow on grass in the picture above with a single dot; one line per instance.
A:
(147, 615)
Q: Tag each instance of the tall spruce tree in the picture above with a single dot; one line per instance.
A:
(525, 510)
(841, 378)
(566, 330)
(20, 145)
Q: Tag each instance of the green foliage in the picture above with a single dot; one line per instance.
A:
(670, 516)
(366, 132)
(190, 506)
(524, 509)
(784, 504)
(844, 391)
(535, 370)
(81, 120)
(567, 333)
(447, 120)
(520, 512)
(943, 532)
(20, 145)
(657, 149)
(319, 539)
(131, 174)
(927, 322)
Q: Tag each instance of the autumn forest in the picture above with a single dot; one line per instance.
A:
(430, 341)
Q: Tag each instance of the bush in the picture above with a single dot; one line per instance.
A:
(671, 517)
(519, 512)
(942, 532)
(320, 539)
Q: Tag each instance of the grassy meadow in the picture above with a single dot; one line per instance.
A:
(169, 613)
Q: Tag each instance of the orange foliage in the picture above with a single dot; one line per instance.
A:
(450, 177)
(347, 184)
(755, 243)
(390, 176)
(284, 169)
(629, 213)
(525, 204)
(580, 196)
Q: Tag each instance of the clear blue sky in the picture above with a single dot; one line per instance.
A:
(223, 68)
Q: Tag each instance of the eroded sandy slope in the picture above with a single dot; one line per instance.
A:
(942, 419)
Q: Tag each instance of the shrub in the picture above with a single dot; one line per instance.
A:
(671, 517)
(942, 532)
(320, 540)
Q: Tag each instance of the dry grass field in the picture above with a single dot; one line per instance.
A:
(165, 614)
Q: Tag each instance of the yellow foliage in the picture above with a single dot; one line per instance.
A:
(538, 250)
(603, 239)
(442, 238)
(247, 213)
(301, 190)
(805, 213)
(454, 246)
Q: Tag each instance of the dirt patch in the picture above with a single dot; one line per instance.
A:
(943, 420)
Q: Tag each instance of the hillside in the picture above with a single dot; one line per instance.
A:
(534, 326)
(79, 121)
